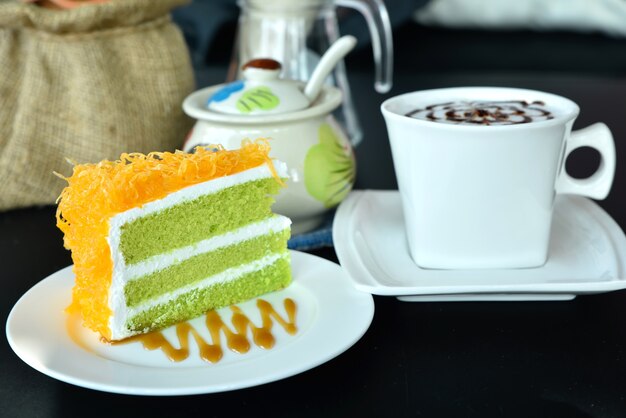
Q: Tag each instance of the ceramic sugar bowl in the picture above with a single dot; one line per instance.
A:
(297, 120)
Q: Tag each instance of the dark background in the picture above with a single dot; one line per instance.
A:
(209, 27)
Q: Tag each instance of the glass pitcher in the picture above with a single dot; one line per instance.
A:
(297, 33)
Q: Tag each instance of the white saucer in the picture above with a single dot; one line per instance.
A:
(587, 255)
(331, 316)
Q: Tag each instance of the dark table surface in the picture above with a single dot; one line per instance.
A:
(462, 359)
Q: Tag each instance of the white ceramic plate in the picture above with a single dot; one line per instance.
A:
(587, 255)
(331, 316)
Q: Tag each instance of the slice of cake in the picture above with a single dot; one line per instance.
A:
(164, 237)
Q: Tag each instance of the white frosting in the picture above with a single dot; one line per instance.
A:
(122, 274)
(193, 192)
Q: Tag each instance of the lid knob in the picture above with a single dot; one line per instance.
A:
(262, 63)
(261, 69)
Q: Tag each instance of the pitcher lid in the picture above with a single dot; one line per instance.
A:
(261, 92)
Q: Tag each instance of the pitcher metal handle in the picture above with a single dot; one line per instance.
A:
(377, 18)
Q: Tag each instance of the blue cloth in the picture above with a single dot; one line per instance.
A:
(318, 238)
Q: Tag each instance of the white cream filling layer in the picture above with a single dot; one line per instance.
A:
(121, 276)
(223, 277)
(159, 262)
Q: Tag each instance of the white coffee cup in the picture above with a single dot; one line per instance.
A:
(478, 196)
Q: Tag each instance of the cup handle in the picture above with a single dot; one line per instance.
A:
(599, 137)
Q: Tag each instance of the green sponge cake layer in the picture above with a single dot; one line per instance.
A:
(202, 247)
(222, 293)
(191, 221)
(201, 266)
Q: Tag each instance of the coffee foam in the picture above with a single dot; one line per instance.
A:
(487, 113)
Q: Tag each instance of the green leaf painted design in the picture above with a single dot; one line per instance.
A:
(257, 98)
(329, 169)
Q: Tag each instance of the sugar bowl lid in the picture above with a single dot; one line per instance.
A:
(261, 92)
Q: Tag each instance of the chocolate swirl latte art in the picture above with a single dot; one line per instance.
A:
(489, 113)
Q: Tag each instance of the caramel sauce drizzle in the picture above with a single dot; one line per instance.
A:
(236, 338)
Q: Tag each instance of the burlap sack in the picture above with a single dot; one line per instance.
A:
(86, 84)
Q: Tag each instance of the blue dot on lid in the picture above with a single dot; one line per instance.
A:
(225, 92)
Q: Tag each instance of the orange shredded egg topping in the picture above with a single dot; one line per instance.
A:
(97, 192)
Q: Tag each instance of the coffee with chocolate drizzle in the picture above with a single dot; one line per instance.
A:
(488, 113)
